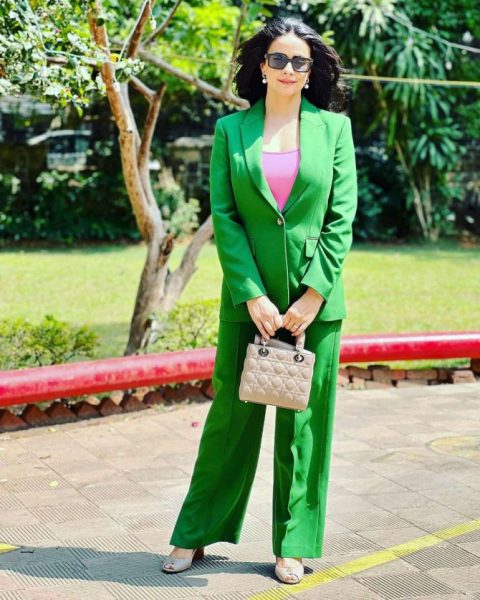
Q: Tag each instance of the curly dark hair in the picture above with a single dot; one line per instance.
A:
(324, 91)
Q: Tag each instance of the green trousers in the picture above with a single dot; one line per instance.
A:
(216, 502)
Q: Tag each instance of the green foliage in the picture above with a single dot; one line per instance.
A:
(51, 342)
(180, 215)
(436, 145)
(85, 205)
(188, 325)
(424, 126)
(199, 42)
(379, 209)
(67, 207)
(47, 52)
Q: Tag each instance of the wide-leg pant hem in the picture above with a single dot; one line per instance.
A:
(201, 542)
(294, 551)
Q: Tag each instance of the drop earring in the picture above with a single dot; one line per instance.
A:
(264, 78)
(306, 86)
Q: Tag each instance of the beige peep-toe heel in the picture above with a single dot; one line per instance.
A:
(283, 573)
(174, 565)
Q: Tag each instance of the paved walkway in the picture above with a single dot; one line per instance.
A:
(91, 506)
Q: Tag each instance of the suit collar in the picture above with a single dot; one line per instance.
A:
(312, 127)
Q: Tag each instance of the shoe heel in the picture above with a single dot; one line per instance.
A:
(182, 564)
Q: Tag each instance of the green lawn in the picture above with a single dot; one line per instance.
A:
(388, 288)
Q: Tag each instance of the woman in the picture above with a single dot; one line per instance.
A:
(283, 195)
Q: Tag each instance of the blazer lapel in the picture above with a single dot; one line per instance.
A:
(312, 129)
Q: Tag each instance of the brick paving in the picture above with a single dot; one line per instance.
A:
(91, 505)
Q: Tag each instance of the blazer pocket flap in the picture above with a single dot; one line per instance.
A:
(310, 245)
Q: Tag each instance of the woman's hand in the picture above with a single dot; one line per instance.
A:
(265, 315)
(302, 312)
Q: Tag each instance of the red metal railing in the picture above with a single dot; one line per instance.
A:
(25, 386)
(410, 346)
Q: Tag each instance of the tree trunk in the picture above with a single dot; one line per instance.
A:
(155, 289)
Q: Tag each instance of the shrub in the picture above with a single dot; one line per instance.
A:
(86, 205)
(187, 325)
(51, 342)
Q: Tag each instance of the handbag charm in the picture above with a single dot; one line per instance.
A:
(277, 373)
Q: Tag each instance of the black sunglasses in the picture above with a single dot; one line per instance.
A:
(278, 60)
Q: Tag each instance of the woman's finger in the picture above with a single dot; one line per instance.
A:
(268, 326)
(262, 331)
(301, 329)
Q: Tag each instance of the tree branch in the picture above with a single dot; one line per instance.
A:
(153, 36)
(99, 32)
(142, 89)
(62, 60)
(203, 86)
(137, 32)
(128, 108)
(228, 82)
(149, 129)
(177, 280)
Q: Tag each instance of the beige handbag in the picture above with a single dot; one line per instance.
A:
(277, 373)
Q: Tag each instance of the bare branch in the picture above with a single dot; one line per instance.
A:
(176, 281)
(203, 86)
(99, 32)
(228, 82)
(149, 129)
(137, 32)
(153, 36)
(128, 108)
(62, 60)
(142, 89)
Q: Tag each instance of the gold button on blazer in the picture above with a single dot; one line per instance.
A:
(265, 250)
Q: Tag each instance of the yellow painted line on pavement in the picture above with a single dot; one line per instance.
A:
(362, 563)
(7, 547)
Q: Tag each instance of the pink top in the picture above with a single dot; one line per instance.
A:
(280, 169)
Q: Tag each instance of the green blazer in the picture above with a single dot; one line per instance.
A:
(265, 250)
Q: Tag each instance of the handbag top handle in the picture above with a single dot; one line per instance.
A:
(299, 341)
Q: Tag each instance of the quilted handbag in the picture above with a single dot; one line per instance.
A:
(277, 373)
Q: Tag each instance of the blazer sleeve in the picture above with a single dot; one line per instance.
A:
(238, 265)
(336, 235)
